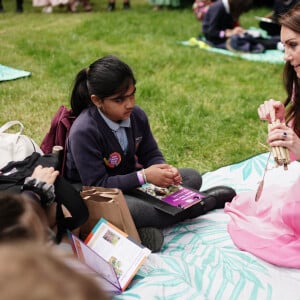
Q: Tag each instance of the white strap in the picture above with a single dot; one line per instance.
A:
(10, 124)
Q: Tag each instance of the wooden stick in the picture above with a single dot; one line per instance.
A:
(280, 154)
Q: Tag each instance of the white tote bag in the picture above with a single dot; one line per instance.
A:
(15, 146)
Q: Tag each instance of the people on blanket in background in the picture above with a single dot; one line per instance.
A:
(222, 29)
(160, 4)
(279, 8)
(19, 6)
(111, 145)
(270, 227)
(222, 21)
(30, 271)
(71, 5)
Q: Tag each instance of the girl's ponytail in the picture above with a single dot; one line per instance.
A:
(80, 97)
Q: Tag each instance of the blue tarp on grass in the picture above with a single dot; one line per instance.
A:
(8, 73)
(270, 56)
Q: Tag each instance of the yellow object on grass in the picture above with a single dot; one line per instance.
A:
(195, 42)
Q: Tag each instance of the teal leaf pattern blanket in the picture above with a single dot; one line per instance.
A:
(199, 260)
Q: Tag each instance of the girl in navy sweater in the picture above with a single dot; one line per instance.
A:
(111, 145)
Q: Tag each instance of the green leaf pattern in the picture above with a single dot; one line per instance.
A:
(199, 260)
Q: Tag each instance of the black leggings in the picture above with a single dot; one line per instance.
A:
(146, 215)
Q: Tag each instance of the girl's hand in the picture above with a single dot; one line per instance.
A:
(46, 174)
(177, 177)
(238, 30)
(283, 136)
(162, 175)
(235, 30)
(271, 110)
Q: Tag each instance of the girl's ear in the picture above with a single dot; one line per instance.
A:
(96, 100)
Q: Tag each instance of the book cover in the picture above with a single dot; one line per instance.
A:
(112, 254)
(174, 195)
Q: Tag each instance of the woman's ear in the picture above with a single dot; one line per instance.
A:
(96, 101)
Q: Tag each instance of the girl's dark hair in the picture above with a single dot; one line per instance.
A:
(291, 20)
(21, 218)
(11, 209)
(104, 77)
(238, 7)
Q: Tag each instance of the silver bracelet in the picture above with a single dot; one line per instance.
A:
(144, 176)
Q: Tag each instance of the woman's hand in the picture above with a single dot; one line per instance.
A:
(163, 175)
(283, 136)
(46, 174)
(271, 110)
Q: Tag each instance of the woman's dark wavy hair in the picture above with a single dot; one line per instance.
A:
(291, 20)
(104, 77)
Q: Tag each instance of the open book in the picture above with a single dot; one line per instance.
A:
(171, 200)
(112, 254)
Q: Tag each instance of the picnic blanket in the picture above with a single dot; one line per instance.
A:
(9, 73)
(199, 260)
(270, 56)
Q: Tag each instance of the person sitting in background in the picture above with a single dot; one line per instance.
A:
(280, 7)
(221, 21)
(222, 29)
(19, 6)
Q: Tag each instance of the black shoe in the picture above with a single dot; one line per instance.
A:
(151, 237)
(111, 7)
(221, 194)
(126, 5)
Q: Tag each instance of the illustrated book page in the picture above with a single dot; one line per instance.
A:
(118, 249)
(112, 254)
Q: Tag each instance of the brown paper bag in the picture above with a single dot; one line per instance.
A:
(110, 204)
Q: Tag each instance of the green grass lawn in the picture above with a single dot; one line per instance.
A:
(202, 106)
